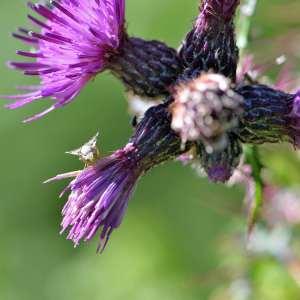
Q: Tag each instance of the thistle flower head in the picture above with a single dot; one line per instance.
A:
(211, 45)
(220, 165)
(270, 115)
(74, 44)
(99, 194)
(206, 109)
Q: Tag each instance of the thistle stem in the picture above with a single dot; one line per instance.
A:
(252, 156)
(246, 13)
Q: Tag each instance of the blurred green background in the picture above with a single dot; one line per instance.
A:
(167, 245)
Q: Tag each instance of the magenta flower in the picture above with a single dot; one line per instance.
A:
(75, 42)
(99, 194)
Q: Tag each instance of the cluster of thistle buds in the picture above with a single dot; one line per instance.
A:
(197, 105)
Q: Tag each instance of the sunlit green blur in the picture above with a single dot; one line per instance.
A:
(166, 248)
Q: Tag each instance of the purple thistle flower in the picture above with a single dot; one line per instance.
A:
(99, 196)
(75, 42)
(270, 115)
(100, 193)
(206, 109)
(211, 44)
(80, 39)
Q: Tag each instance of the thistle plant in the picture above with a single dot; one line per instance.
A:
(199, 106)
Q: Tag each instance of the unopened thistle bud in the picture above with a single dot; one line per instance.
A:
(147, 68)
(211, 44)
(80, 39)
(220, 165)
(270, 116)
(206, 109)
(99, 194)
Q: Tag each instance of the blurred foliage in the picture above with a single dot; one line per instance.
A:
(166, 247)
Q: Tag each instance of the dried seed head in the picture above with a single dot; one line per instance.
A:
(206, 109)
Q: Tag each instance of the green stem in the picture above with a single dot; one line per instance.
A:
(246, 13)
(252, 158)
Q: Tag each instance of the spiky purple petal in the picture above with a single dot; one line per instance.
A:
(74, 44)
(99, 196)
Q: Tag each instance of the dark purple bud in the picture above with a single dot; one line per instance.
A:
(154, 139)
(211, 44)
(99, 194)
(220, 165)
(206, 109)
(147, 68)
(270, 116)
